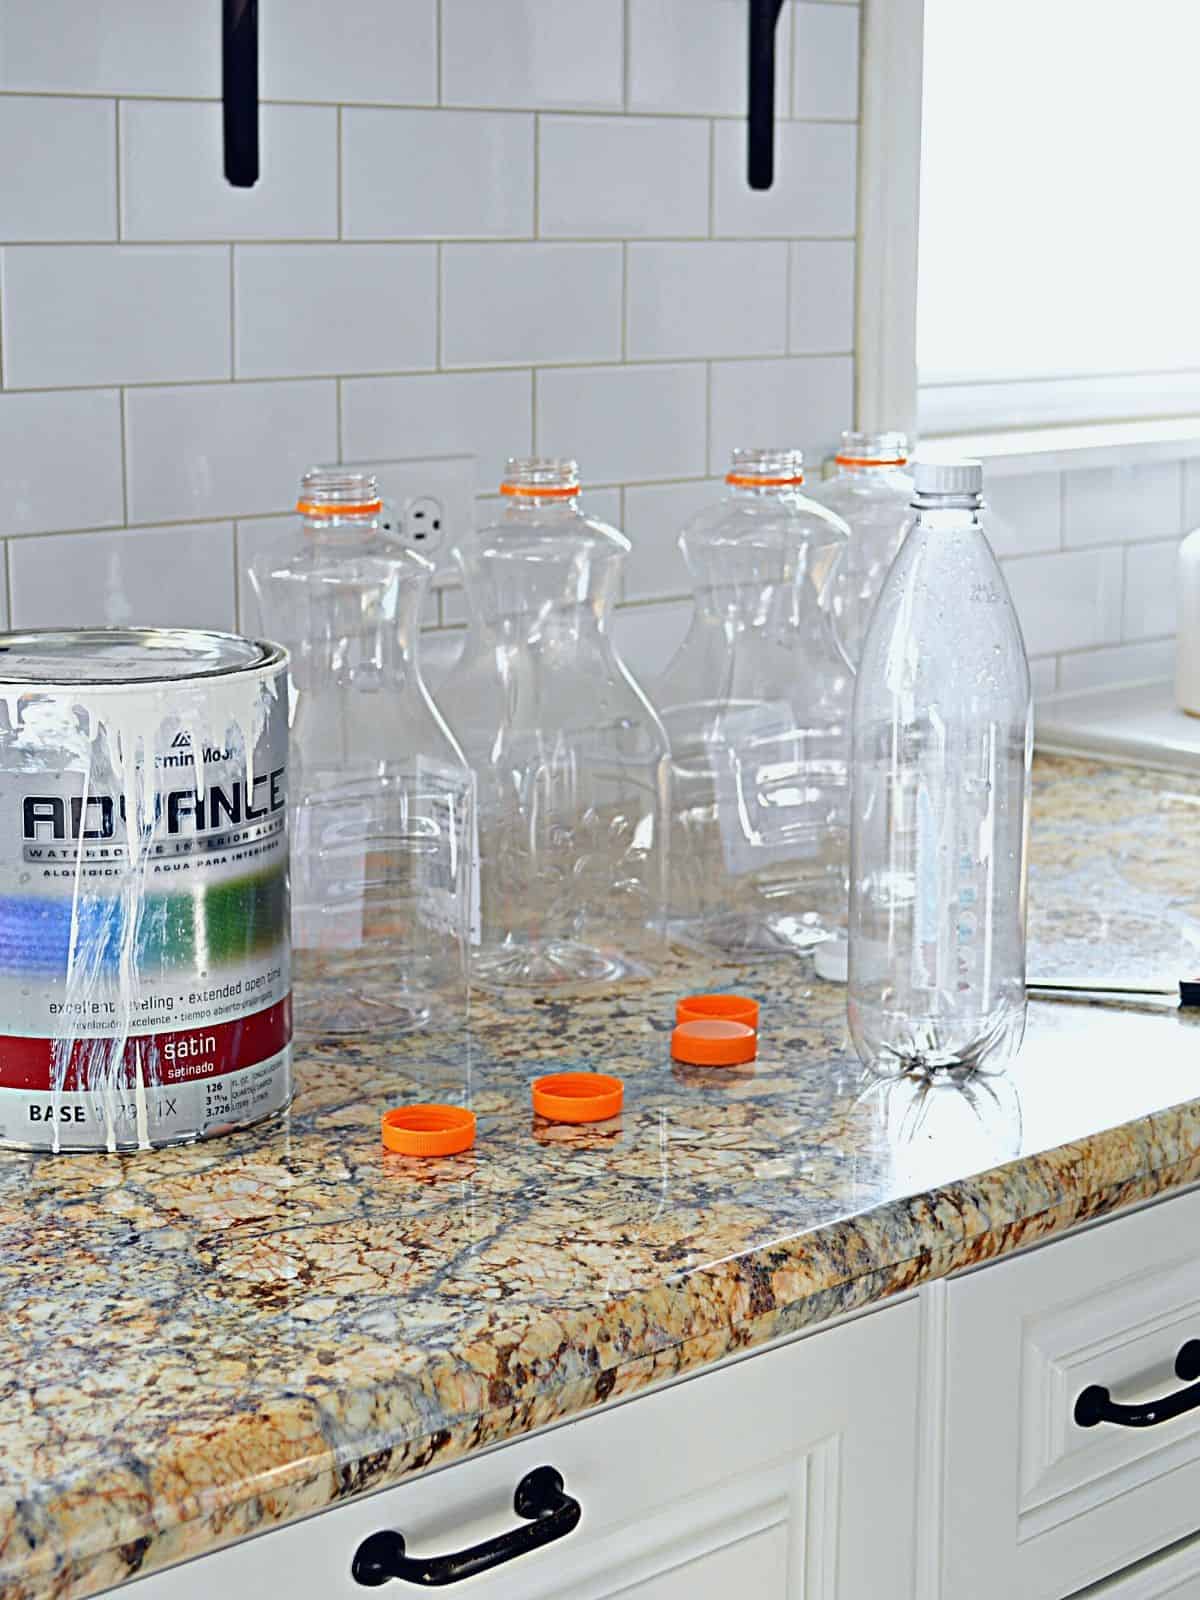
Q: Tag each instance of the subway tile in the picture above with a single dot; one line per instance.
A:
(65, 184)
(222, 450)
(624, 424)
(1043, 676)
(1123, 663)
(814, 189)
(711, 299)
(485, 414)
(802, 403)
(690, 55)
(1191, 495)
(624, 177)
(648, 636)
(1040, 587)
(654, 518)
(159, 47)
(1121, 505)
(60, 461)
(108, 314)
(173, 183)
(1024, 514)
(1151, 584)
(436, 174)
(334, 308)
(821, 320)
(522, 303)
(380, 50)
(551, 53)
(162, 577)
(825, 56)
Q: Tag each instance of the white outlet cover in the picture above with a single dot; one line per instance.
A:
(450, 480)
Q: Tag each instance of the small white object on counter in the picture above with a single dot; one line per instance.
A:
(1187, 651)
(831, 960)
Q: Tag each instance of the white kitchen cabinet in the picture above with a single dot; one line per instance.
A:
(1029, 1502)
(788, 1475)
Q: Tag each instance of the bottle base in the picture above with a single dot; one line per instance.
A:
(932, 1046)
(549, 964)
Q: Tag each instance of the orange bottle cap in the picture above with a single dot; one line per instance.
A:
(578, 1096)
(713, 1042)
(428, 1130)
(733, 1007)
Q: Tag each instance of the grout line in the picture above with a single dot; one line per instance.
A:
(237, 575)
(232, 316)
(341, 229)
(415, 240)
(124, 460)
(117, 167)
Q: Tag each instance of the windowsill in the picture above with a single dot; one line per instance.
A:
(1057, 449)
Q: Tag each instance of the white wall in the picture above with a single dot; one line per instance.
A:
(484, 227)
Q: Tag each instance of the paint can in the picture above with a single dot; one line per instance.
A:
(145, 988)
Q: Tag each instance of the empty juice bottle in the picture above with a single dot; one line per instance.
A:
(570, 760)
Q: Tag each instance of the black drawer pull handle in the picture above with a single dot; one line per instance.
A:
(1095, 1404)
(541, 1499)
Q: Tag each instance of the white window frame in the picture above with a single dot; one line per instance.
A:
(1057, 435)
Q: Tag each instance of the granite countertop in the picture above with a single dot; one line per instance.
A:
(201, 1343)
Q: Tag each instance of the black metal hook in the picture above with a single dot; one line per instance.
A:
(764, 21)
(239, 90)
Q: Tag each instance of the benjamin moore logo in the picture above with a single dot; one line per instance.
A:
(182, 741)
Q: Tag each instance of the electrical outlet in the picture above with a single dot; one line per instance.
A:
(429, 504)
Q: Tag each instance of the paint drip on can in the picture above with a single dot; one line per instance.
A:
(145, 989)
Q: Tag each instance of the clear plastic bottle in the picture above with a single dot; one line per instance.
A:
(943, 738)
(570, 760)
(871, 491)
(756, 703)
(380, 803)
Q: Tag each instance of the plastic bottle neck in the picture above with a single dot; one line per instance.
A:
(949, 513)
(339, 506)
(543, 484)
(872, 453)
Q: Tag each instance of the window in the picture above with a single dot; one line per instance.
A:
(1059, 231)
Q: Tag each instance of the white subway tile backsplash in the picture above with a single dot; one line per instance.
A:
(1191, 495)
(1123, 663)
(815, 184)
(1043, 676)
(362, 308)
(159, 47)
(1024, 514)
(64, 186)
(623, 177)
(1070, 600)
(108, 314)
(217, 450)
(648, 636)
(485, 414)
(1151, 584)
(1116, 505)
(624, 424)
(173, 184)
(690, 56)
(161, 577)
(803, 403)
(436, 174)
(711, 299)
(383, 50)
(825, 51)
(550, 53)
(516, 304)
(654, 517)
(822, 297)
(60, 461)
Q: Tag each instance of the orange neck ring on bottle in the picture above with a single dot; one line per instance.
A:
(367, 508)
(540, 491)
(871, 461)
(741, 480)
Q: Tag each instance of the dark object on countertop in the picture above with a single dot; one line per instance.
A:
(239, 90)
(550, 1514)
(764, 19)
(1096, 1404)
(1188, 990)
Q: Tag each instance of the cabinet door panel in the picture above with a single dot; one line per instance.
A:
(786, 1476)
